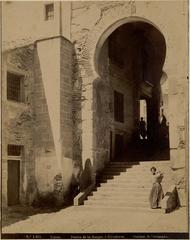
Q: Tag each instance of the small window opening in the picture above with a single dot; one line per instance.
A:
(14, 150)
(15, 87)
(49, 11)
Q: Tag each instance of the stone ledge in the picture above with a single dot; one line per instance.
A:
(82, 196)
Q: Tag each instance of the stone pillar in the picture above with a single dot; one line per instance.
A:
(54, 117)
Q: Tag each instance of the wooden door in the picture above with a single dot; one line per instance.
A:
(13, 188)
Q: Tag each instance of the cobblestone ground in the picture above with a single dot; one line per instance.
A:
(84, 220)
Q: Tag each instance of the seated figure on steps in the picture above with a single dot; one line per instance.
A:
(156, 193)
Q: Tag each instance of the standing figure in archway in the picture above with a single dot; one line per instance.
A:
(156, 193)
(142, 128)
(163, 132)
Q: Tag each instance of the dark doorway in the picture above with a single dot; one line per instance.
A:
(118, 146)
(13, 182)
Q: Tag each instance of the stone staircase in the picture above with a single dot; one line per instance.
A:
(127, 185)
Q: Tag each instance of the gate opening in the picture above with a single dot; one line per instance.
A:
(131, 68)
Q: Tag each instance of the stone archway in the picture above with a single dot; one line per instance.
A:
(110, 30)
(90, 54)
(109, 23)
(90, 49)
(140, 48)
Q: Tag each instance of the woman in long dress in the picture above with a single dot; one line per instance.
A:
(156, 193)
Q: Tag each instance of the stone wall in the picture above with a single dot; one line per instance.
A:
(18, 122)
(43, 124)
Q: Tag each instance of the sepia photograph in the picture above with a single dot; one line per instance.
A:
(95, 119)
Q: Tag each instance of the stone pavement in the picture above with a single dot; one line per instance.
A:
(91, 220)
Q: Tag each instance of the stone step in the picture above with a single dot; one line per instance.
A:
(119, 198)
(130, 181)
(120, 194)
(126, 185)
(119, 190)
(123, 209)
(129, 177)
(134, 183)
(118, 168)
(116, 203)
(147, 168)
(115, 170)
(137, 169)
(126, 179)
(123, 180)
(141, 176)
(111, 174)
(125, 188)
(157, 163)
(105, 177)
(133, 174)
(121, 166)
(144, 163)
(124, 163)
(129, 173)
(147, 180)
(122, 187)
